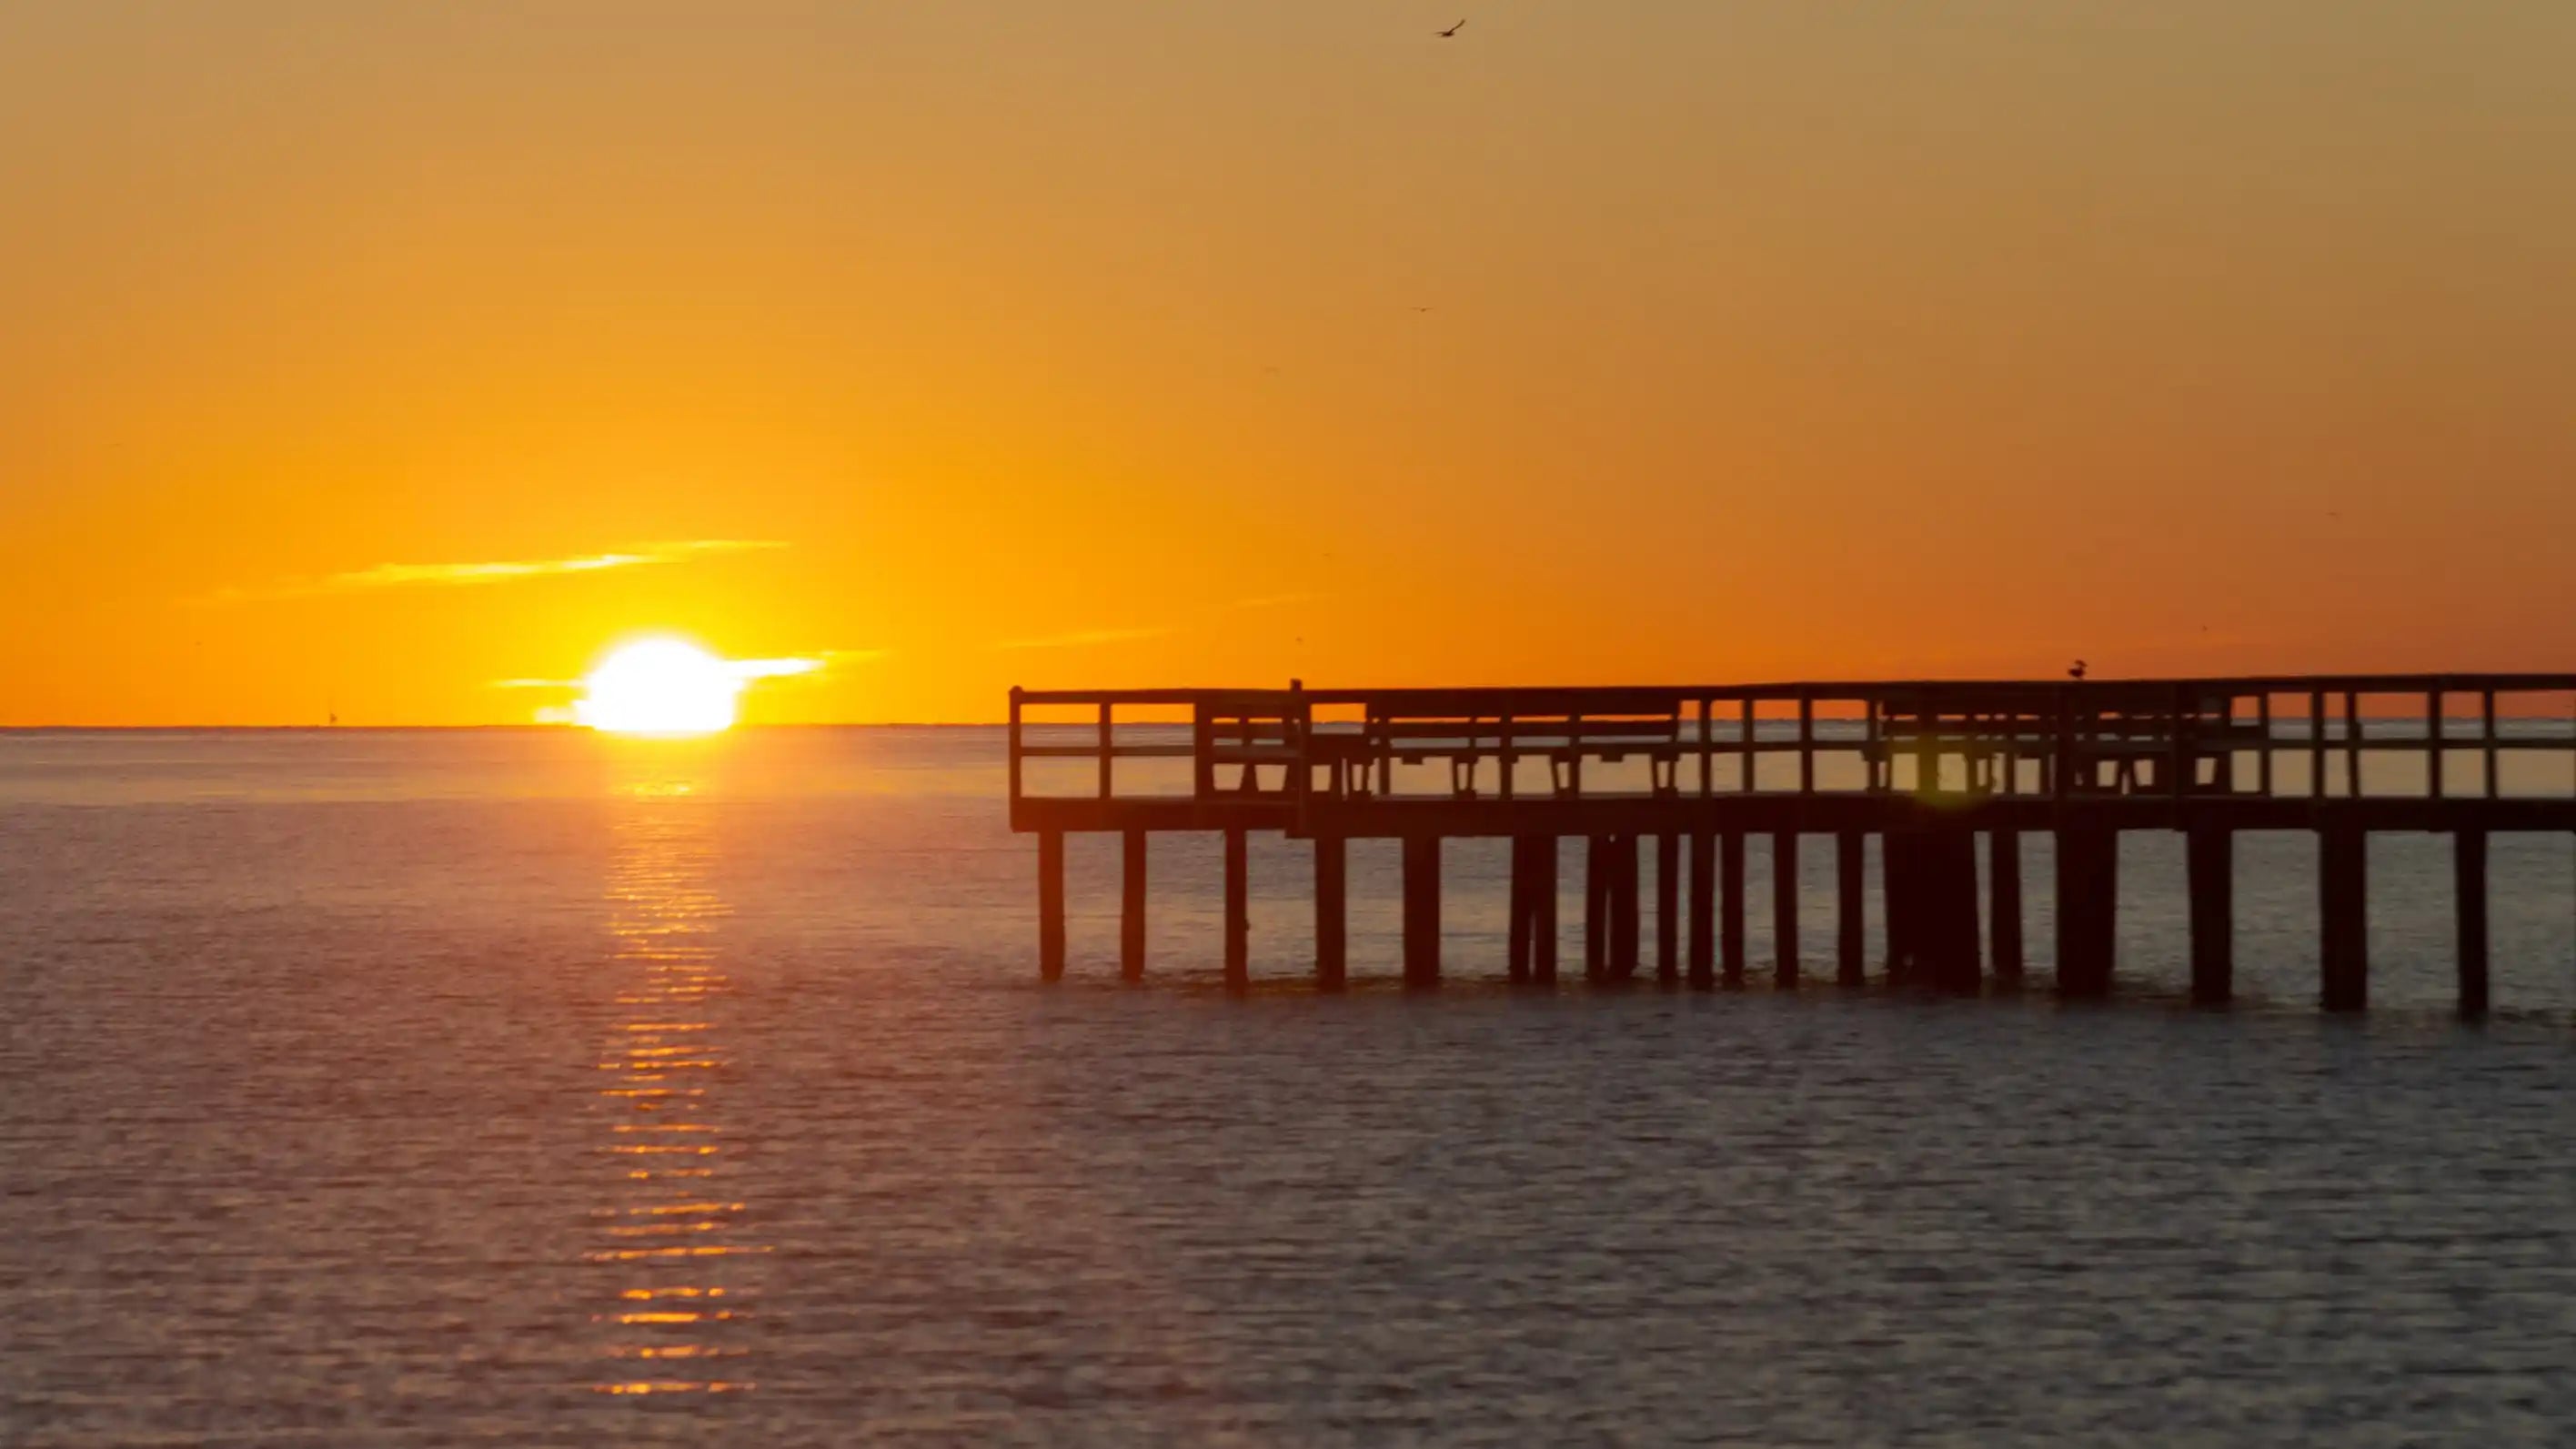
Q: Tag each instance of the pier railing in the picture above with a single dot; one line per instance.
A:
(2322, 737)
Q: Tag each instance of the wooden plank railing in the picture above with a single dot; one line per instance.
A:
(1969, 738)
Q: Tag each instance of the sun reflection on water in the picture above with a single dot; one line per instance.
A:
(669, 1234)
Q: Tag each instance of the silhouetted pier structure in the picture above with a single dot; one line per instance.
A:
(1928, 766)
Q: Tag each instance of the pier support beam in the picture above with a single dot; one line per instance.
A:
(2210, 854)
(1516, 954)
(1238, 910)
(1730, 905)
(2088, 908)
(1543, 910)
(1703, 909)
(2343, 895)
(1784, 908)
(1131, 907)
(1851, 864)
(1959, 961)
(2003, 887)
(1596, 913)
(1533, 923)
(2469, 877)
(1421, 911)
(1668, 900)
(1332, 920)
(1932, 910)
(1051, 905)
(1900, 886)
(1953, 954)
(1623, 908)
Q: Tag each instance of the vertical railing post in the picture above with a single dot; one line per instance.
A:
(2067, 740)
(2352, 743)
(2179, 762)
(1202, 749)
(1675, 758)
(1745, 742)
(1104, 749)
(1806, 743)
(2316, 743)
(1503, 751)
(1015, 752)
(1869, 741)
(1705, 763)
(2433, 742)
(2487, 737)
(1574, 755)
(1298, 725)
(2262, 755)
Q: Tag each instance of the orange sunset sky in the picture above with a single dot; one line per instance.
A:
(392, 356)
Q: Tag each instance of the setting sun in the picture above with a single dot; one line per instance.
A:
(659, 687)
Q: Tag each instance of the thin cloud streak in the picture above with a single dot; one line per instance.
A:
(783, 667)
(501, 571)
(1088, 638)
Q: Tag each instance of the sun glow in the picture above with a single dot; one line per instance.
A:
(660, 687)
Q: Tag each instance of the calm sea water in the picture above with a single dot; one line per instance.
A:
(518, 1088)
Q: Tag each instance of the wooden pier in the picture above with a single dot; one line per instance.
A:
(1926, 766)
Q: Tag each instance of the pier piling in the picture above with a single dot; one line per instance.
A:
(1051, 906)
(1703, 909)
(1932, 910)
(1623, 908)
(1957, 960)
(1543, 910)
(1421, 911)
(1131, 908)
(2088, 909)
(2469, 879)
(1851, 864)
(1784, 908)
(1332, 918)
(2210, 859)
(1730, 905)
(2003, 886)
(2343, 953)
(1897, 879)
(1596, 909)
(1668, 864)
(1238, 911)
(1524, 913)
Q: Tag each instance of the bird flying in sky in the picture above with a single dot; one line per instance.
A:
(1452, 30)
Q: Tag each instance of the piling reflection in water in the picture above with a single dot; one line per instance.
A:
(669, 1230)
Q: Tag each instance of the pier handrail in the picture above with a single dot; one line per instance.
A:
(2048, 738)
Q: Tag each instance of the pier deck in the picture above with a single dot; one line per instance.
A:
(1926, 765)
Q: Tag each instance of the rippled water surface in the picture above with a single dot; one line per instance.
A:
(526, 1088)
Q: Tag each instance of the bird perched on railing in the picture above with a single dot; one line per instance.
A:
(2075, 670)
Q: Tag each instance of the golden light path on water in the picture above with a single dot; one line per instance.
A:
(670, 1230)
